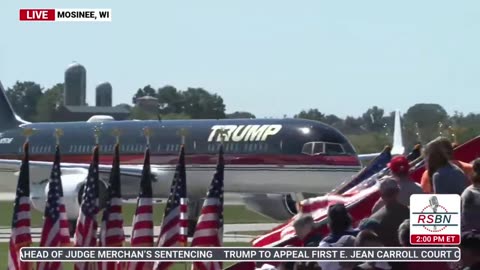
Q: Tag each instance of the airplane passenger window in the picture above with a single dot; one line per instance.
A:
(307, 148)
(334, 148)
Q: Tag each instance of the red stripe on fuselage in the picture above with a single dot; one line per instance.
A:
(208, 159)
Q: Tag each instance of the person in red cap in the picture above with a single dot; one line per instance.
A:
(400, 167)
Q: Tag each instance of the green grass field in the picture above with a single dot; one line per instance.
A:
(69, 265)
(232, 214)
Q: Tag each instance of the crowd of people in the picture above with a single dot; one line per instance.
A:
(389, 225)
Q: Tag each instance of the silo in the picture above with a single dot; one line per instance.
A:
(75, 85)
(104, 95)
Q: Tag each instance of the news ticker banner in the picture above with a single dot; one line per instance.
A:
(66, 15)
(229, 254)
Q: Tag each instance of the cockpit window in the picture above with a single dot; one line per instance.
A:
(307, 148)
(334, 149)
(318, 148)
(323, 148)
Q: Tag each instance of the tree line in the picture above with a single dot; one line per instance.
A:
(369, 132)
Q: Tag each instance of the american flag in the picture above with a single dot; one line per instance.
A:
(142, 232)
(55, 231)
(20, 236)
(318, 206)
(376, 165)
(415, 154)
(209, 229)
(86, 232)
(174, 226)
(111, 231)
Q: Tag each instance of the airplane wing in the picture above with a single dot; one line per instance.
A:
(366, 157)
(9, 165)
(40, 171)
(397, 147)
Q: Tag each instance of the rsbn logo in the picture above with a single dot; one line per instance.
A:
(435, 219)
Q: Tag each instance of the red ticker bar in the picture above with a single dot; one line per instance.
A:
(428, 239)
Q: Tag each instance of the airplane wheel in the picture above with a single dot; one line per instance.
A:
(191, 227)
(72, 225)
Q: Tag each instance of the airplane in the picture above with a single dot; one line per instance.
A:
(397, 146)
(283, 157)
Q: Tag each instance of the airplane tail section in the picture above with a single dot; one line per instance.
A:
(8, 118)
(397, 146)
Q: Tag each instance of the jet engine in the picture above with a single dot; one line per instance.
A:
(73, 184)
(280, 207)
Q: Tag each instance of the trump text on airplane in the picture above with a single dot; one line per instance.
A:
(238, 133)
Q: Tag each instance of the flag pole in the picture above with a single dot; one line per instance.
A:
(116, 133)
(58, 134)
(147, 133)
(96, 131)
(183, 133)
(27, 132)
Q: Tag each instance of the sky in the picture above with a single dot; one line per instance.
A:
(267, 57)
